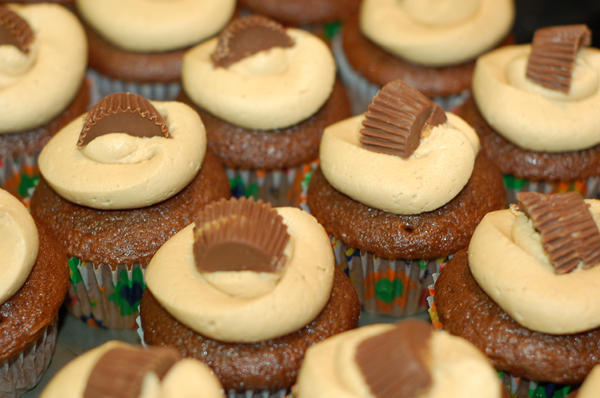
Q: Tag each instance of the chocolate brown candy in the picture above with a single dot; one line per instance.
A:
(14, 30)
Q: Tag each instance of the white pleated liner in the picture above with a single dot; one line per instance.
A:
(592, 187)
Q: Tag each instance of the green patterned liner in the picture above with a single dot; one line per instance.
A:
(20, 175)
(103, 297)
(589, 188)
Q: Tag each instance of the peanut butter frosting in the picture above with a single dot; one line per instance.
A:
(37, 85)
(507, 260)
(18, 245)
(268, 90)
(187, 378)
(591, 386)
(156, 25)
(119, 171)
(276, 309)
(431, 177)
(434, 32)
(532, 116)
(457, 368)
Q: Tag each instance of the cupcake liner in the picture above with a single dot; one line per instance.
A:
(104, 85)
(24, 370)
(279, 187)
(361, 91)
(588, 188)
(395, 287)
(103, 297)
(20, 175)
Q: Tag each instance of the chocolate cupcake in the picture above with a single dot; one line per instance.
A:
(138, 45)
(117, 369)
(117, 183)
(265, 94)
(43, 56)
(535, 110)
(400, 189)
(33, 284)
(247, 289)
(524, 293)
(430, 45)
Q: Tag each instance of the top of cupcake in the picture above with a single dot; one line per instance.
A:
(407, 155)
(154, 26)
(258, 75)
(436, 33)
(544, 96)
(43, 56)
(127, 152)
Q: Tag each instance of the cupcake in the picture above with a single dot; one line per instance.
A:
(247, 289)
(117, 183)
(43, 56)
(120, 370)
(33, 284)
(524, 293)
(400, 189)
(140, 47)
(430, 45)
(535, 110)
(265, 94)
(407, 359)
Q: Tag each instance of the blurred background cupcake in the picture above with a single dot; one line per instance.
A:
(117, 183)
(138, 45)
(43, 56)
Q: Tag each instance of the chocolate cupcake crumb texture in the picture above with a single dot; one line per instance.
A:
(14, 30)
(553, 53)
(396, 118)
(123, 113)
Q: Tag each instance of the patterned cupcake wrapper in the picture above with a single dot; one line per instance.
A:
(20, 176)
(361, 91)
(105, 298)
(104, 85)
(589, 188)
(24, 370)
(517, 387)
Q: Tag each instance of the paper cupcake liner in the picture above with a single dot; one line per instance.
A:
(361, 91)
(20, 176)
(517, 387)
(588, 188)
(105, 298)
(24, 370)
(104, 85)
(279, 187)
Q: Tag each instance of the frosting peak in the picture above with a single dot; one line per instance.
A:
(441, 13)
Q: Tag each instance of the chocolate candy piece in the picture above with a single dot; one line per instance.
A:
(121, 371)
(396, 118)
(569, 234)
(239, 235)
(553, 53)
(247, 36)
(14, 30)
(123, 113)
(394, 363)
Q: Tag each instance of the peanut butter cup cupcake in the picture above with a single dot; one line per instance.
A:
(247, 289)
(117, 183)
(33, 284)
(400, 189)
(117, 369)
(431, 45)
(265, 94)
(525, 293)
(43, 56)
(535, 110)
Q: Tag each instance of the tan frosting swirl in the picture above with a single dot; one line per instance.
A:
(18, 245)
(271, 89)
(118, 171)
(508, 262)
(457, 368)
(429, 32)
(37, 86)
(299, 296)
(433, 175)
(156, 25)
(186, 379)
(591, 386)
(534, 117)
